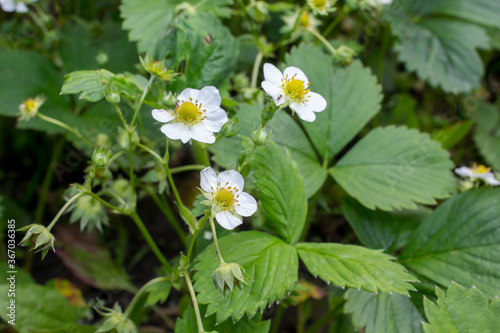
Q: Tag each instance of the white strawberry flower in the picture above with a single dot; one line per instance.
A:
(15, 5)
(478, 172)
(228, 202)
(290, 88)
(197, 115)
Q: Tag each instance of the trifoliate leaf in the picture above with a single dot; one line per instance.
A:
(382, 230)
(355, 267)
(352, 94)
(460, 241)
(281, 190)
(270, 262)
(461, 311)
(440, 50)
(395, 168)
(383, 312)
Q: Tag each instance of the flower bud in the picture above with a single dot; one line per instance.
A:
(261, 136)
(229, 275)
(169, 100)
(38, 238)
(29, 108)
(115, 320)
(157, 68)
(344, 55)
(112, 95)
(101, 158)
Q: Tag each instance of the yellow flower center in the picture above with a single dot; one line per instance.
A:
(225, 199)
(304, 20)
(30, 105)
(189, 112)
(478, 169)
(295, 90)
(318, 4)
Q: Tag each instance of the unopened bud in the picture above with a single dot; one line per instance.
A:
(261, 136)
(37, 239)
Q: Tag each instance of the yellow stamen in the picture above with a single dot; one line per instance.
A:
(188, 112)
(225, 199)
(295, 89)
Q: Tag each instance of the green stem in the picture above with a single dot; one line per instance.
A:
(330, 315)
(141, 292)
(310, 210)
(277, 319)
(65, 126)
(120, 113)
(200, 154)
(216, 243)
(105, 203)
(300, 318)
(169, 215)
(144, 93)
(150, 241)
(193, 167)
(167, 170)
(331, 26)
(195, 302)
(130, 161)
(323, 40)
(201, 224)
(255, 70)
(245, 161)
(63, 209)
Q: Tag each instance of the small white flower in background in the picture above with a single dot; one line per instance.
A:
(290, 88)
(15, 5)
(321, 7)
(224, 193)
(478, 172)
(197, 116)
(29, 108)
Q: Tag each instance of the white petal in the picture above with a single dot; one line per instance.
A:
(200, 133)
(215, 120)
(176, 131)
(492, 180)
(464, 171)
(272, 74)
(227, 220)
(316, 102)
(232, 178)
(276, 92)
(8, 5)
(298, 73)
(210, 98)
(208, 179)
(188, 94)
(21, 8)
(162, 115)
(304, 111)
(247, 204)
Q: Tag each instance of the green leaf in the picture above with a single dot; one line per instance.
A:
(450, 136)
(91, 84)
(285, 132)
(352, 94)
(441, 51)
(460, 241)
(281, 190)
(147, 21)
(395, 168)
(462, 311)
(487, 133)
(382, 230)
(383, 312)
(206, 63)
(355, 267)
(482, 12)
(187, 324)
(288, 134)
(158, 292)
(38, 308)
(271, 263)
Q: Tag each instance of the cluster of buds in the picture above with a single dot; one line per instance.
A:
(38, 238)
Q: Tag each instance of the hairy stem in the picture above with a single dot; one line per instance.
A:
(216, 243)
